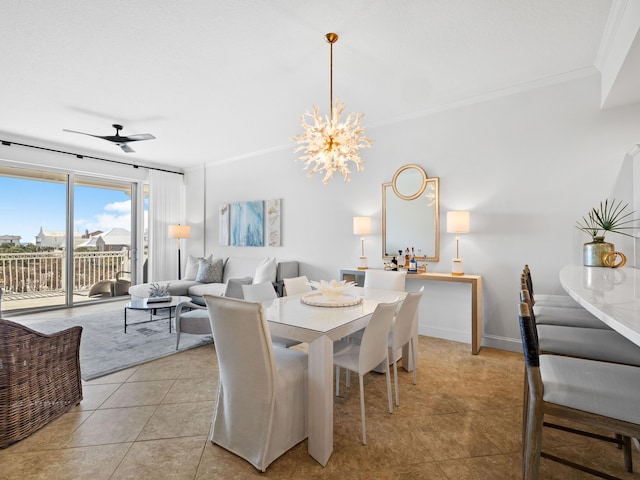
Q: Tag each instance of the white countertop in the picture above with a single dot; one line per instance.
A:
(611, 294)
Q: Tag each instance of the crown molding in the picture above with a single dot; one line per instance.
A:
(635, 150)
(492, 95)
(610, 32)
(463, 102)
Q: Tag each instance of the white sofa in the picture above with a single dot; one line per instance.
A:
(240, 269)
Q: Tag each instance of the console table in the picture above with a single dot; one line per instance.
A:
(356, 275)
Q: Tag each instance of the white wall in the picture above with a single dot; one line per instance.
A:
(527, 166)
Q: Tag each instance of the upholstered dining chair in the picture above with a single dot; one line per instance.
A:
(262, 292)
(261, 410)
(191, 318)
(385, 280)
(402, 333)
(596, 394)
(296, 285)
(372, 351)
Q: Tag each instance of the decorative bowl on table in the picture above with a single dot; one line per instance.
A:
(331, 294)
(332, 288)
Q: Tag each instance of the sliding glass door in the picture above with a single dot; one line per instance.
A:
(102, 252)
(44, 216)
(33, 219)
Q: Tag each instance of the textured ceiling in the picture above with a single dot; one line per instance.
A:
(214, 80)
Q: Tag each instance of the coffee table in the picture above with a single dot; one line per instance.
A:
(144, 304)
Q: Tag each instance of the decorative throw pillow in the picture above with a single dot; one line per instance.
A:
(234, 287)
(210, 272)
(266, 271)
(193, 264)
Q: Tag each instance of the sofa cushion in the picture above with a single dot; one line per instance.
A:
(234, 287)
(266, 271)
(192, 266)
(210, 272)
(200, 289)
(176, 287)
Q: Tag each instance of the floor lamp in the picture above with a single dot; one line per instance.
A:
(179, 232)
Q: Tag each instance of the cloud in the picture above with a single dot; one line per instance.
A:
(115, 215)
(124, 207)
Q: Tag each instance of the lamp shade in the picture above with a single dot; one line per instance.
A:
(179, 231)
(361, 225)
(457, 222)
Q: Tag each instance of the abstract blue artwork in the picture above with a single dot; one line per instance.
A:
(247, 224)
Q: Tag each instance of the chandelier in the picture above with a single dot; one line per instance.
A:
(329, 144)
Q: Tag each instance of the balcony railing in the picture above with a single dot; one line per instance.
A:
(43, 272)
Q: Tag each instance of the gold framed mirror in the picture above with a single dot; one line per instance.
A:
(409, 182)
(411, 214)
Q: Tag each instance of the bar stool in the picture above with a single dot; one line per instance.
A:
(548, 300)
(604, 345)
(591, 393)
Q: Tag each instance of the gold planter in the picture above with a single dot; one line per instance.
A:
(594, 252)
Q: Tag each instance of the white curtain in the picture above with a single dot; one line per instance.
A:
(166, 207)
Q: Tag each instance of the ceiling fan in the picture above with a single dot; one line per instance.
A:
(120, 140)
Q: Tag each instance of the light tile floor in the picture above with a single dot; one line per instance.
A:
(461, 421)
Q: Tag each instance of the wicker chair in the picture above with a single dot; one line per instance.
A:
(39, 378)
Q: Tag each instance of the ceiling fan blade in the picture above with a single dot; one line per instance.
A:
(126, 148)
(81, 133)
(140, 136)
(118, 139)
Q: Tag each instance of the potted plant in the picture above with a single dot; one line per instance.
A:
(607, 217)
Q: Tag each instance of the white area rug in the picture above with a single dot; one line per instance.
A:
(105, 348)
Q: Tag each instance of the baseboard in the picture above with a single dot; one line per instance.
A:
(453, 335)
(502, 343)
(490, 341)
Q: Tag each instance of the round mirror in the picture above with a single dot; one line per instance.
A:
(409, 182)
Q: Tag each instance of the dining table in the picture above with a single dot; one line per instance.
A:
(319, 327)
(611, 294)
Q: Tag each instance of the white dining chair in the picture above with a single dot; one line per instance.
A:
(296, 285)
(381, 280)
(262, 292)
(261, 410)
(403, 333)
(385, 280)
(259, 292)
(372, 351)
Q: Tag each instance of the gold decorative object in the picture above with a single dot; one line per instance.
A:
(609, 259)
(329, 144)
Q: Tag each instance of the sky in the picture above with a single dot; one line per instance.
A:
(27, 205)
